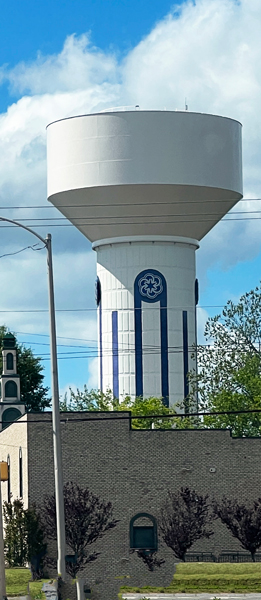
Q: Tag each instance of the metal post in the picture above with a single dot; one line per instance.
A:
(58, 474)
(57, 447)
(2, 557)
(79, 588)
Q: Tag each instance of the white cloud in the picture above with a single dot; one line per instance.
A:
(24, 279)
(78, 66)
(92, 382)
(202, 317)
(208, 51)
(66, 390)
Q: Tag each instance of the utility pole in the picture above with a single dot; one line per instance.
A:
(57, 447)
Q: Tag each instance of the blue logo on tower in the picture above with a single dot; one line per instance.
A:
(150, 285)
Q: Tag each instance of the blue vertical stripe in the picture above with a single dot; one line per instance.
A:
(100, 328)
(115, 354)
(185, 357)
(162, 299)
(164, 352)
(138, 346)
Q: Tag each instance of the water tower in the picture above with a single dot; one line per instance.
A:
(144, 187)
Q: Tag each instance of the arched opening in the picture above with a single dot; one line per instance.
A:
(9, 361)
(143, 533)
(10, 389)
(10, 415)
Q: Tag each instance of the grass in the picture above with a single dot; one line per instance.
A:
(189, 577)
(17, 581)
(35, 588)
(210, 577)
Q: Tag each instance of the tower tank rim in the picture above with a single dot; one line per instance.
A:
(143, 239)
(142, 111)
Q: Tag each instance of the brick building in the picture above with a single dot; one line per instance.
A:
(133, 469)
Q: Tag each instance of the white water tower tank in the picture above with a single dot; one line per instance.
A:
(145, 187)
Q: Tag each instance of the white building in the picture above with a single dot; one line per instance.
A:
(11, 407)
(145, 187)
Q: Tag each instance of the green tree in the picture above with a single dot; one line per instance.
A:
(146, 407)
(229, 367)
(35, 541)
(30, 369)
(15, 533)
(90, 400)
(24, 537)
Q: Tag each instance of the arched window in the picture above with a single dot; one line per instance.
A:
(9, 416)
(143, 533)
(8, 480)
(10, 389)
(20, 473)
(9, 361)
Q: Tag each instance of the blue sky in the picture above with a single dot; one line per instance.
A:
(64, 58)
(30, 28)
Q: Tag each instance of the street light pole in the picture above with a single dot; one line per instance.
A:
(57, 447)
(58, 467)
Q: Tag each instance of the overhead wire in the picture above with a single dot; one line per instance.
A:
(23, 249)
(131, 309)
(64, 337)
(147, 351)
(95, 217)
(82, 224)
(94, 309)
(49, 205)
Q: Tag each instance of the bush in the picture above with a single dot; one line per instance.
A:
(24, 537)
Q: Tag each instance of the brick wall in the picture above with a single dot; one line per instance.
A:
(134, 470)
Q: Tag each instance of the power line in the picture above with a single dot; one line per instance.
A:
(22, 250)
(60, 337)
(130, 309)
(117, 204)
(156, 222)
(124, 348)
(109, 354)
(95, 217)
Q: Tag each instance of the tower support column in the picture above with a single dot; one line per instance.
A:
(146, 315)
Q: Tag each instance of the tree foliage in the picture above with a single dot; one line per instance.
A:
(242, 520)
(87, 519)
(33, 392)
(24, 537)
(35, 542)
(15, 533)
(95, 400)
(229, 367)
(151, 560)
(184, 518)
